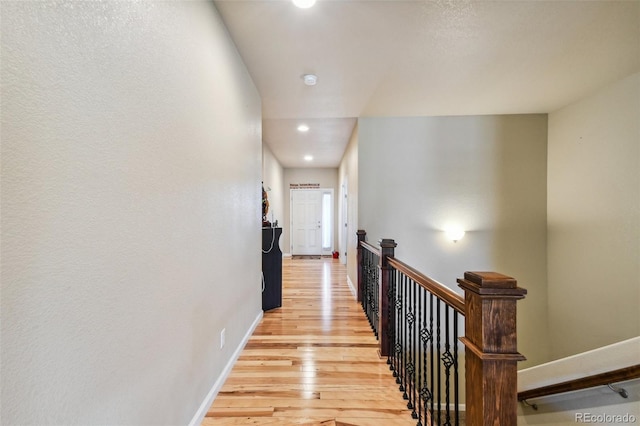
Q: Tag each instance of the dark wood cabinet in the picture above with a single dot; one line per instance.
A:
(271, 269)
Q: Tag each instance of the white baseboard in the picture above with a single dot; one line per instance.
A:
(286, 255)
(352, 287)
(202, 411)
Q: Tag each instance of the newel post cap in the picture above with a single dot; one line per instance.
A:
(490, 283)
(387, 243)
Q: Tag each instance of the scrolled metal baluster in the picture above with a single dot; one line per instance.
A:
(376, 298)
(391, 320)
(431, 366)
(419, 376)
(372, 267)
(368, 300)
(439, 379)
(372, 295)
(414, 345)
(448, 361)
(409, 370)
(364, 279)
(367, 284)
(456, 395)
(425, 393)
(410, 365)
(403, 370)
(398, 335)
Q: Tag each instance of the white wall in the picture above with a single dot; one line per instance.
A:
(348, 174)
(486, 174)
(326, 177)
(594, 220)
(131, 154)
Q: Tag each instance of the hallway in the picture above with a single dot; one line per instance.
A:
(312, 361)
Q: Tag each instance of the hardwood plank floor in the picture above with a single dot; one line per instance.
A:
(312, 362)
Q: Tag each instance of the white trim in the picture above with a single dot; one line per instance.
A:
(323, 190)
(208, 400)
(286, 255)
(343, 228)
(332, 222)
(352, 287)
(600, 360)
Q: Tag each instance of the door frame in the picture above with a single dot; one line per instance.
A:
(344, 220)
(332, 221)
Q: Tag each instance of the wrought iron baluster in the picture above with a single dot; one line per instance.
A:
(366, 299)
(420, 383)
(439, 380)
(372, 295)
(425, 336)
(398, 311)
(455, 368)
(409, 365)
(391, 323)
(364, 280)
(404, 337)
(411, 369)
(376, 297)
(415, 338)
(400, 334)
(431, 366)
(447, 360)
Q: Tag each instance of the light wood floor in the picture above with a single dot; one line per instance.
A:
(314, 361)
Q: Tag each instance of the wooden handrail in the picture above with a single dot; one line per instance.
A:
(450, 297)
(373, 249)
(609, 377)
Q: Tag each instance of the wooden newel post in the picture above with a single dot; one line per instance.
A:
(491, 354)
(385, 309)
(362, 235)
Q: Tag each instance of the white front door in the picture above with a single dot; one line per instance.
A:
(306, 222)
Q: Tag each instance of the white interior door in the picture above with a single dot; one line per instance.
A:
(306, 222)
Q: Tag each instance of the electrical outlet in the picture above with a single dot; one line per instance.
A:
(222, 338)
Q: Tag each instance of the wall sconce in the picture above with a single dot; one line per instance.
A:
(454, 234)
(304, 4)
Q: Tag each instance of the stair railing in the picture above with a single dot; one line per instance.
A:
(418, 323)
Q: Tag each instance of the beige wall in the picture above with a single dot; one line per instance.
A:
(348, 175)
(486, 174)
(326, 177)
(273, 178)
(131, 154)
(594, 220)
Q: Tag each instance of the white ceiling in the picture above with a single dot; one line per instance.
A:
(422, 57)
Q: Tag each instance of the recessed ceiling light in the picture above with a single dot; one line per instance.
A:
(308, 158)
(303, 128)
(310, 79)
(304, 4)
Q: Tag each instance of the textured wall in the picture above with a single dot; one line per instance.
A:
(594, 220)
(131, 154)
(486, 174)
(348, 174)
(272, 176)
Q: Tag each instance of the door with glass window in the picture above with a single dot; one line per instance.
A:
(311, 221)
